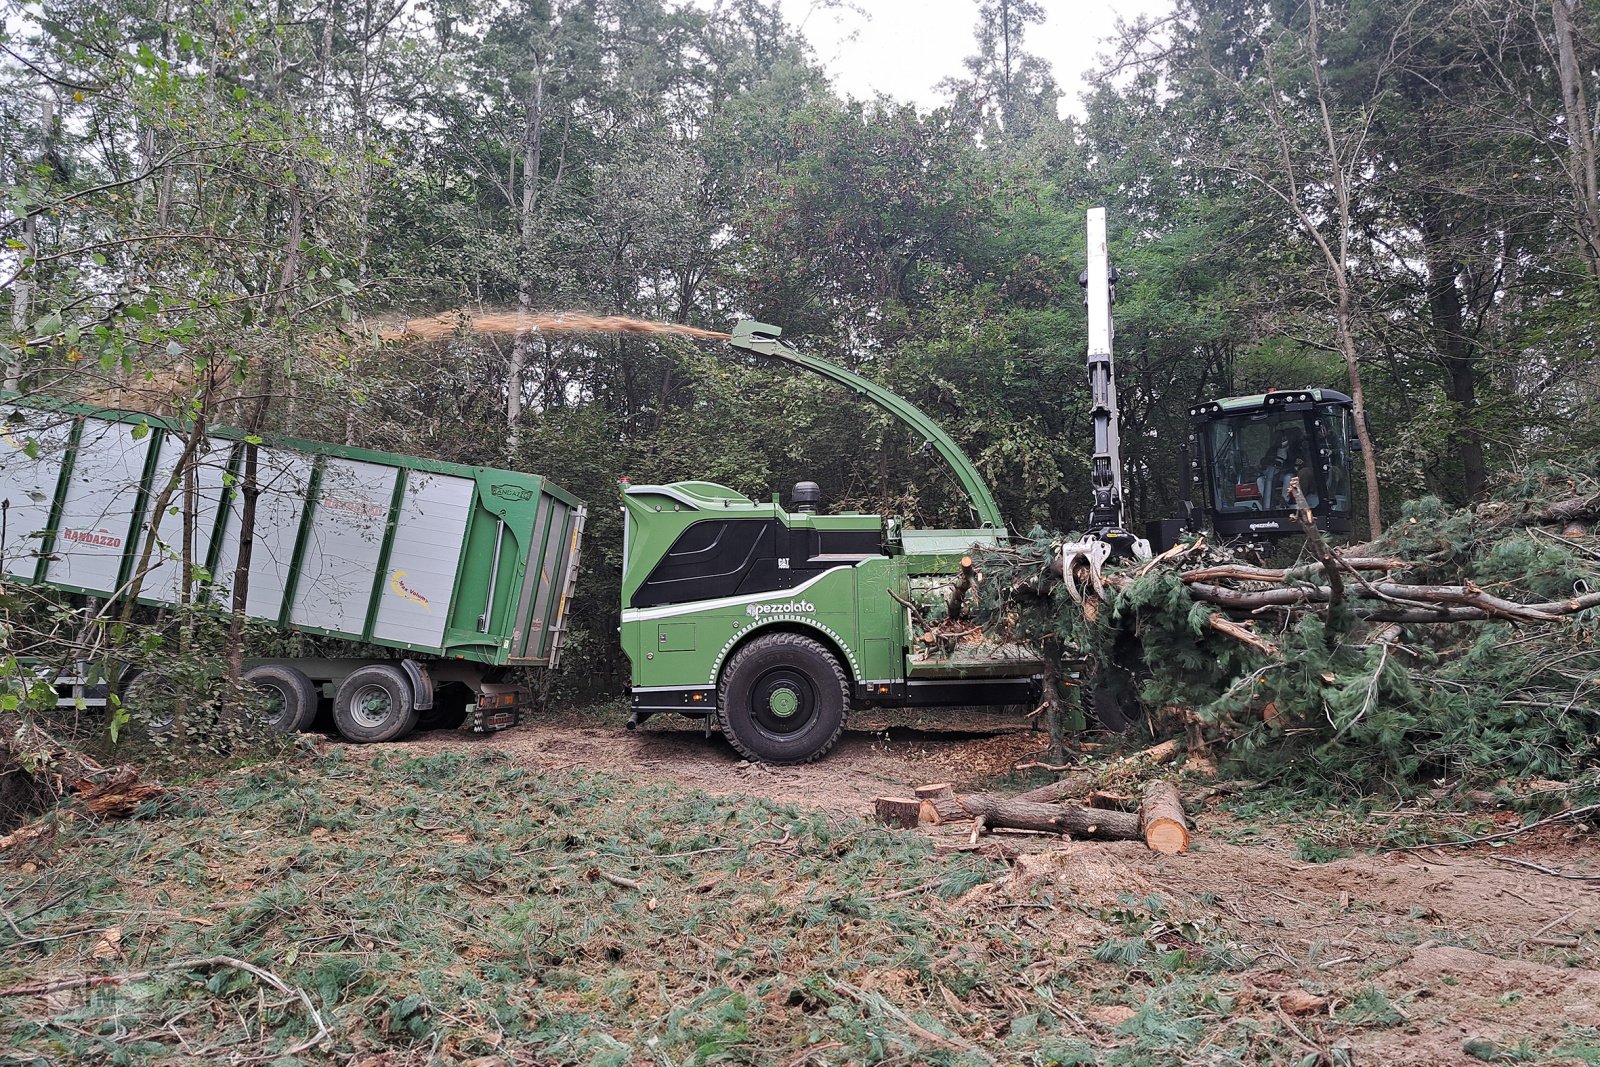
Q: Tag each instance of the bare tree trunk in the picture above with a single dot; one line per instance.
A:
(191, 503)
(1581, 154)
(528, 216)
(250, 485)
(1339, 263)
(22, 286)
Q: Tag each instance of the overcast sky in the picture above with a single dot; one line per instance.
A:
(905, 47)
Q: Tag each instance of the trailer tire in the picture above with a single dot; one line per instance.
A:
(374, 703)
(147, 696)
(783, 699)
(292, 697)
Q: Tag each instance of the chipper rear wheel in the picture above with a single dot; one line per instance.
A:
(783, 699)
(374, 704)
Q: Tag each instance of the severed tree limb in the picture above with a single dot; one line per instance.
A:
(1240, 632)
(1083, 780)
(1240, 572)
(957, 593)
(1455, 603)
(209, 963)
(1308, 525)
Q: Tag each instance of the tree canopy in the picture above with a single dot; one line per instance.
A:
(211, 207)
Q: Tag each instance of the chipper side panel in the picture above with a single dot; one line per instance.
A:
(774, 623)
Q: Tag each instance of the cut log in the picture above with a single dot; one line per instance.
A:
(1108, 801)
(957, 593)
(1071, 787)
(939, 805)
(1013, 814)
(1165, 827)
(904, 812)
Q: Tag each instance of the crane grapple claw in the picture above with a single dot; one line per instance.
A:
(1092, 552)
(1069, 563)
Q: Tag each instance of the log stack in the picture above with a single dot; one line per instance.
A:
(1159, 819)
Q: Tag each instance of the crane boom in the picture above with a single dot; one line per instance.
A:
(1105, 474)
(764, 340)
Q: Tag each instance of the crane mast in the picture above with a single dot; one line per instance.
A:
(1105, 474)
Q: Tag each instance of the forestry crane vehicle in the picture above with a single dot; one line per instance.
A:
(1241, 452)
(773, 622)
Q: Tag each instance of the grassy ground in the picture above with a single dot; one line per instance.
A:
(460, 907)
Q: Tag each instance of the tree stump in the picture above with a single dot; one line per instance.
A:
(903, 812)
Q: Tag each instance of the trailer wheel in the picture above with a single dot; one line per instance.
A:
(374, 704)
(291, 697)
(783, 699)
(150, 703)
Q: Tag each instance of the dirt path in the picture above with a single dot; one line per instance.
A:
(876, 756)
(1423, 956)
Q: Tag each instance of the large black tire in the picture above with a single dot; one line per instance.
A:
(1113, 708)
(1114, 693)
(291, 697)
(783, 699)
(374, 704)
(151, 703)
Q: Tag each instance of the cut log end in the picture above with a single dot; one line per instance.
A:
(903, 812)
(1166, 828)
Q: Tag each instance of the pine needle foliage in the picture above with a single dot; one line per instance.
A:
(1353, 704)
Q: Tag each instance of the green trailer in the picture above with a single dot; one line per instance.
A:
(463, 572)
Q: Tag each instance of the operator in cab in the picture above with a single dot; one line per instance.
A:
(1283, 459)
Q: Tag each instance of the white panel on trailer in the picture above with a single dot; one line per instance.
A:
(428, 540)
(28, 483)
(340, 559)
(283, 478)
(102, 490)
(211, 468)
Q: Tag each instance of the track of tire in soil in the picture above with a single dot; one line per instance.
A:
(1459, 945)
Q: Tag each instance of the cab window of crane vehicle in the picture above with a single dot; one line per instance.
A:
(1334, 428)
(1255, 455)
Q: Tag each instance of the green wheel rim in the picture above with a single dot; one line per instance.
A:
(784, 702)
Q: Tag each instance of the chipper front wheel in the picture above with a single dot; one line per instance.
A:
(374, 704)
(783, 699)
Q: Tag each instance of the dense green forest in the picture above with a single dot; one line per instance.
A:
(211, 207)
